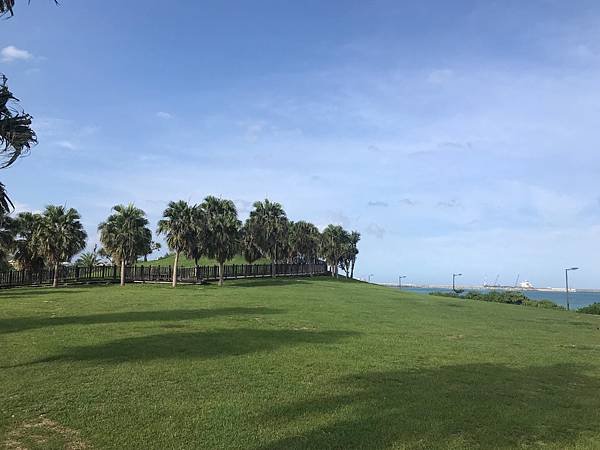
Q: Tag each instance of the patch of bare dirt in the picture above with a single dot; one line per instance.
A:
(43, 433)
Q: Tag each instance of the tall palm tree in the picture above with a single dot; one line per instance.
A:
(7, 239)
(222, 230)
(333, 244)
(269, 221)
(250, 250)
(304, 240)
(195, 246)
(59, 236)
(125, 235)
(16, 135)
(26, 255)
(354, 238)
(176, 225)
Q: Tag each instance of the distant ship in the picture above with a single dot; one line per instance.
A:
(526, 285)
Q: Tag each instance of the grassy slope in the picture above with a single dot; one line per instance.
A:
(184, 262)
(293, 364)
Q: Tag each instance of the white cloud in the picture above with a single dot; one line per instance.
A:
(12, 53)
(164, 115)
(67, 145)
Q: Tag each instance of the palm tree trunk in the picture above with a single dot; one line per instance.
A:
(55, 281)
(221, 269)
(122, 271)
(175, 268)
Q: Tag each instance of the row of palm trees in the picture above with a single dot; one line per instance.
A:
(211, 228)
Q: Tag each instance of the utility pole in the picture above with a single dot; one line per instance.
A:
(567, 284)
(400, 281)
(454, 275)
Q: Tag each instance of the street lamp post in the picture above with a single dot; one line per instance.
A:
(567, 283)
(400, 281)
(454, 275)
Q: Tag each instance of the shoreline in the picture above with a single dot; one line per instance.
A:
(491, 288)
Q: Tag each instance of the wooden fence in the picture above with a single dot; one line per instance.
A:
(150, 273)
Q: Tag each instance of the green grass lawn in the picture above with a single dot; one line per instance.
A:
(287, 364)
(185, 262)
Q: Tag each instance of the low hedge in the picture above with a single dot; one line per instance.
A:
(594, 308)
(508, 297)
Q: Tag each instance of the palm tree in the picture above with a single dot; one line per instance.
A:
(89, 259)
(195, 245)
(176, 225)
(333, 242)
(354, 238)
(16, 135)
(222, 230)
(26, 255)
(304, 240)
(269, 221)
(250, 250)
(59, 236)
(125, 235)
(7, 239)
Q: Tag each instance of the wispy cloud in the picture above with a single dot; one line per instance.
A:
(66, 145)
(376, 230)
(164, 115)
(12, 53)
(377, 203)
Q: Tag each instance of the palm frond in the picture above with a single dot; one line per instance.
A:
(6, 7)
(16, 135)
(6, 205)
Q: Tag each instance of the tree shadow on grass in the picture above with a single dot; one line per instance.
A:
(278, 281)
(465, 406)
(30, 292)
(29, 323)
(207, 344)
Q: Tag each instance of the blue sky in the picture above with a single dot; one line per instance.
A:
(455, 136)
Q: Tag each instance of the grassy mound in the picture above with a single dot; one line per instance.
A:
(290, 364)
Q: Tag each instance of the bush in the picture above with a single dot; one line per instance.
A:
(543, 304)
(445, 294)
(508, 297)
(594, 308)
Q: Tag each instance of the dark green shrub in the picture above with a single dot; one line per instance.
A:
(594, 308)
(543, 304)
(445, 294)
(508, 297)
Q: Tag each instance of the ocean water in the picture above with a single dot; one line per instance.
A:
(577, 299)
